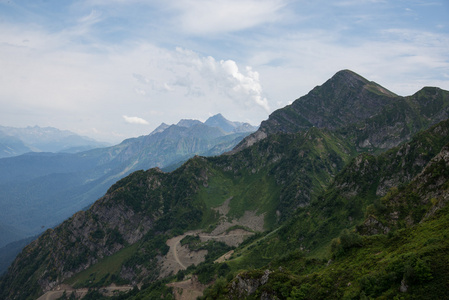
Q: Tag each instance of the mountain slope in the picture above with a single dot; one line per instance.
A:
(44, 139)
(42, 189)
(147, 202)
(374, 117)
(12, 146)
(411, 260)
(310, 188)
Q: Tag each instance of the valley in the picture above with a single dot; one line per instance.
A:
(40, 190)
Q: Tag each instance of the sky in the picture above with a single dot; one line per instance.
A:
(115, 69)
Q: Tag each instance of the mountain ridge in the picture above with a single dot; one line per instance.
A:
(355, 100)
(59, 184)
(44, 139)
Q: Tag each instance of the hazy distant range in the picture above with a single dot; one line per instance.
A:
(47, 174)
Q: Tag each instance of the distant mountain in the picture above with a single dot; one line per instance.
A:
(188, 123)
(12, 146)
(16, 141)
(336, 204)
(228, 126)
(39, 190)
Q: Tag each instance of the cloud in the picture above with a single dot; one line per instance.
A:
(135, 120)
(200, 77)
(225, 77)
(206, 17)
(248, 57)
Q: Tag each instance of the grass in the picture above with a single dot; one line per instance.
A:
(252, 192)
(104, 270)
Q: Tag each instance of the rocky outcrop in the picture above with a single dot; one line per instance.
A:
(246, 284)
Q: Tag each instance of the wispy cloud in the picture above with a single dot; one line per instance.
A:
(62, 62)
(135, 120)
(206, 17)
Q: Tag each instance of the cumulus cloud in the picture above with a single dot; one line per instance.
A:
(135, 120)
(225, 76)
(202, 76)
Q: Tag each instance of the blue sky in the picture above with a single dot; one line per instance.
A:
(113, 69)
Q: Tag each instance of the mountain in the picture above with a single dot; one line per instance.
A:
(376, 117)
(380, 241)
(297, 211)
(12, 146)
(39, 190)
(228, 126)
(188, 123)
(16, 141)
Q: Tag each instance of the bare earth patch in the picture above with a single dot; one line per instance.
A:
(180, 257)
(189, 289)
(58, 291)
(250, 219)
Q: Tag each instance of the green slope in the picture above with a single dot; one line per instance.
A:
(410, 244)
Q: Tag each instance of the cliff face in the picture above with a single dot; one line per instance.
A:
(112, 223)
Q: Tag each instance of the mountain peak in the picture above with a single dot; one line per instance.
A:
(188, 123)
(228, 126)
(160, 128)
(216, 118)
(346, 73)
(346, 98)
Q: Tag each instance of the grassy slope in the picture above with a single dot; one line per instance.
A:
(314, 227)
(417, 255)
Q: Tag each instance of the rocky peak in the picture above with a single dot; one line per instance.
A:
(347, 100)
(188, 123)
(344, 99)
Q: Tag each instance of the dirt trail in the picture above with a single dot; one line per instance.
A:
(180, 257)
(58, 291)
(174, 249)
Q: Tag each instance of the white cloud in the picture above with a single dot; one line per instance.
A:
(206, 17)
(225, 77)
(62, 76)
(135, 120)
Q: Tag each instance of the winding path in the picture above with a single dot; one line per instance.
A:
(174, 250)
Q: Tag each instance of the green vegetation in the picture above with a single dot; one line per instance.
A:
(375, 266)
(104, 272)
(345, 217)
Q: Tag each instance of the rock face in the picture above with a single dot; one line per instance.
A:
(120, 218)
(427, 193)
(244, 286)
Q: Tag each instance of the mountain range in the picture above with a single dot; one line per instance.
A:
(40, 190)
(17, 141)
(340, 195)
